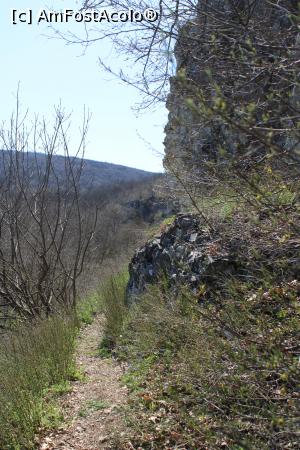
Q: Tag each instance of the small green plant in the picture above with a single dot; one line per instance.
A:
(51, 416)
(76, 374)
(97, 405)
(60, 388)
(91, 406)
(88, 307)
(105, 348)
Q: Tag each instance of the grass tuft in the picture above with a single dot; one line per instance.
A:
(35, 362)
(113, 300)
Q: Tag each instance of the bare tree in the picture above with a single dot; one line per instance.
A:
(233, 69)
(44, 234)
(240, 50)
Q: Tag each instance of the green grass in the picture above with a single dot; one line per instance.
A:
(35, 362)
(88, 307)
(97, 405)
(157, 228)
(112, 295)
(51, 416)
(60, 388)
(91, 406)
(36, 367)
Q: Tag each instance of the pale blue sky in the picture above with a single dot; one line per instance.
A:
(50, 71)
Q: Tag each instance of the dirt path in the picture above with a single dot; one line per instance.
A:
(91, 409)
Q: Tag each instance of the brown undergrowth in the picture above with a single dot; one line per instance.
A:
(219, 368)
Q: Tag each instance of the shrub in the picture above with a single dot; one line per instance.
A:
(32, 359)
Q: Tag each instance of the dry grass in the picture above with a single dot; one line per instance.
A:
(208, 377)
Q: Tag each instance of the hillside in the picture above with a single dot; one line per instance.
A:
(94, 174)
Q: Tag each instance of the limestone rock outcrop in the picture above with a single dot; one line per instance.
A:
(231, 50)
(185, 254)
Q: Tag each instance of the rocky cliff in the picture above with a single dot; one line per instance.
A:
(185, 253)
(225, 98)
(228, 59)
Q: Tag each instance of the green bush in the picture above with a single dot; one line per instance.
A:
(32, 358)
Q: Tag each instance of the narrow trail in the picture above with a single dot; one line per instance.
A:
(91, 409)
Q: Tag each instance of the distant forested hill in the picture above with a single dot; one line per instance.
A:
(94, 174)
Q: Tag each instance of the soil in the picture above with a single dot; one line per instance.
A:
(92, 408)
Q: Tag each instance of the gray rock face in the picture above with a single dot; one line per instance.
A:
(148, 208)
(185, 254)
(192, 136)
